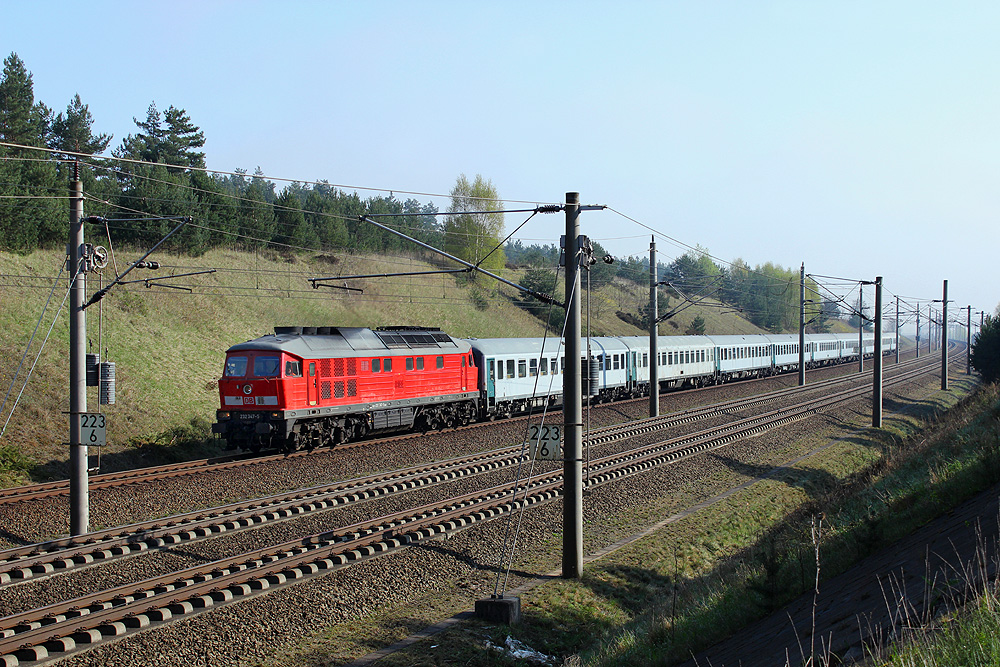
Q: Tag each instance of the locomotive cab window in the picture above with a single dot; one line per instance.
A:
(236, 367)
(293, 369)
(266, 367)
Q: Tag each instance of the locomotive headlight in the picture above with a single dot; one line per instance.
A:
(275, 415)
(223, 415)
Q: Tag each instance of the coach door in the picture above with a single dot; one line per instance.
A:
(312, 387)
(490, 382)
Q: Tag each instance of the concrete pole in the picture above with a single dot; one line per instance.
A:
(861, 328)
(572, 565)
(802, 325)
(79, 499)
(654, 314)
(931, 329)
(877, 361)
(944, 338)
(968, 341)
(897, 329)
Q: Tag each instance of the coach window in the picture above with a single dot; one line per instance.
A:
(236, 367)
(555, 367)
(544, 367)
(376, 365)
(440, 362)
(522, 368)
(533, 367)
(614, 361)
(409, 363)
(510, 368)
(420, 363)
(293, 369)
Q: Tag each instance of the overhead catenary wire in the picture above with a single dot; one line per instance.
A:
(243, 174)
(112, 165)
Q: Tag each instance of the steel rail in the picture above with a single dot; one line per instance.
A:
(57, 628)
(58, 556)
(109, 480)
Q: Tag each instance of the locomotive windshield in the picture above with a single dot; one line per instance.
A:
(265, 367)
(236, 367)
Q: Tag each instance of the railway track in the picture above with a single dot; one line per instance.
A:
(60, 488)
(57, 630)
(35, 561)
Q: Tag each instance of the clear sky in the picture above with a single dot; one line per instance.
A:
(858, 137)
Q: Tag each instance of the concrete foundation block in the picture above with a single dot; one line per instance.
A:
(505, 611)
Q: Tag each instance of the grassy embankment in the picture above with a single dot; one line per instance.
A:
(169, 344)
(699, 579)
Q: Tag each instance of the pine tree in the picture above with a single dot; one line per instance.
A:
(22, 121)
(74, 131)
(985, 357)
(291, 225)
(181, 140)
(33, 218)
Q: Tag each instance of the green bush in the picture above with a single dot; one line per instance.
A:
(15, 467)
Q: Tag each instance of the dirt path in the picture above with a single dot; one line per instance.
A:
(918, 577)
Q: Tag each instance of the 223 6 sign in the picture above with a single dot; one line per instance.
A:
(93, 429)
(545, 441)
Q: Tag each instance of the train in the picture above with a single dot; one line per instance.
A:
(308, 387)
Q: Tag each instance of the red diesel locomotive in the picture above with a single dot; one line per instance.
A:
(312, 386)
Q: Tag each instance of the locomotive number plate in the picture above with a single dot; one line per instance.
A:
(545, 441)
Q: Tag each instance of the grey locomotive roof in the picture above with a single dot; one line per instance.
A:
(344, 340)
